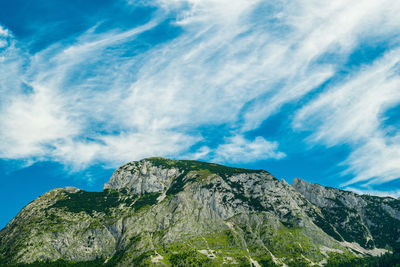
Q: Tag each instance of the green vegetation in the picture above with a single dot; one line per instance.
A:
(323, 224)
(386, 260)
(354, 230)
(193, 165)
(178, 184)
(104, 201)
(94, 201)
(63, 263)
(189, 258)
(115, 259)
(266, 261)
(290, 243)
(332, 223)
(145, 200)
(193, 258)
(386, 232)
(343, 221)
(383, 227)
(2, 261)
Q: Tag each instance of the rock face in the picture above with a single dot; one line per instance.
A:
(143, 177)
(367, 220)
(176, 213)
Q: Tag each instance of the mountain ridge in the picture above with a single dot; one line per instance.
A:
(169, 212)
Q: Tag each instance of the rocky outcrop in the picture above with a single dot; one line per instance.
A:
(367, 220)
(142, 177)
(165, 212)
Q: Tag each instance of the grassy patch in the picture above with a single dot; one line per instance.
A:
(90, 202)
(193, 165)
(93, 201)
(146, 200)
(189, 258)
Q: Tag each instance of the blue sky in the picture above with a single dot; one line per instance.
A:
(299, 88)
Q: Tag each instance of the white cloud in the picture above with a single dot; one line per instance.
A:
(202, 153)
(351, 113)
(239, 149)
(235, 63)
(5, 35)
(376, 161)
(34, 124)
(393, 193)
(4, 32)
(114, 149)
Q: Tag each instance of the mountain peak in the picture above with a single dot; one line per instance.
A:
(157, 174)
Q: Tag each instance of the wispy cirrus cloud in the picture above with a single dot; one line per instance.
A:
(3, 31)
(390, 193)
(351, 113)
(4, 35)
(116, 95)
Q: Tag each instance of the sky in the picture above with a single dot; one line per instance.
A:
(300, 88)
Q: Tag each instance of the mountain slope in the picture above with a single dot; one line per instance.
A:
(367, 220)
(164, 212)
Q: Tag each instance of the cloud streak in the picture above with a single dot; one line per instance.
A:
(351, 113)
(392, 193)
(118, 95)
(239, 149)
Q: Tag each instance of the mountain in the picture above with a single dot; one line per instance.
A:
(369, 221)
(165, 212)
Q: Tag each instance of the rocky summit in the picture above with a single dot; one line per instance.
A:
(161, 212)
